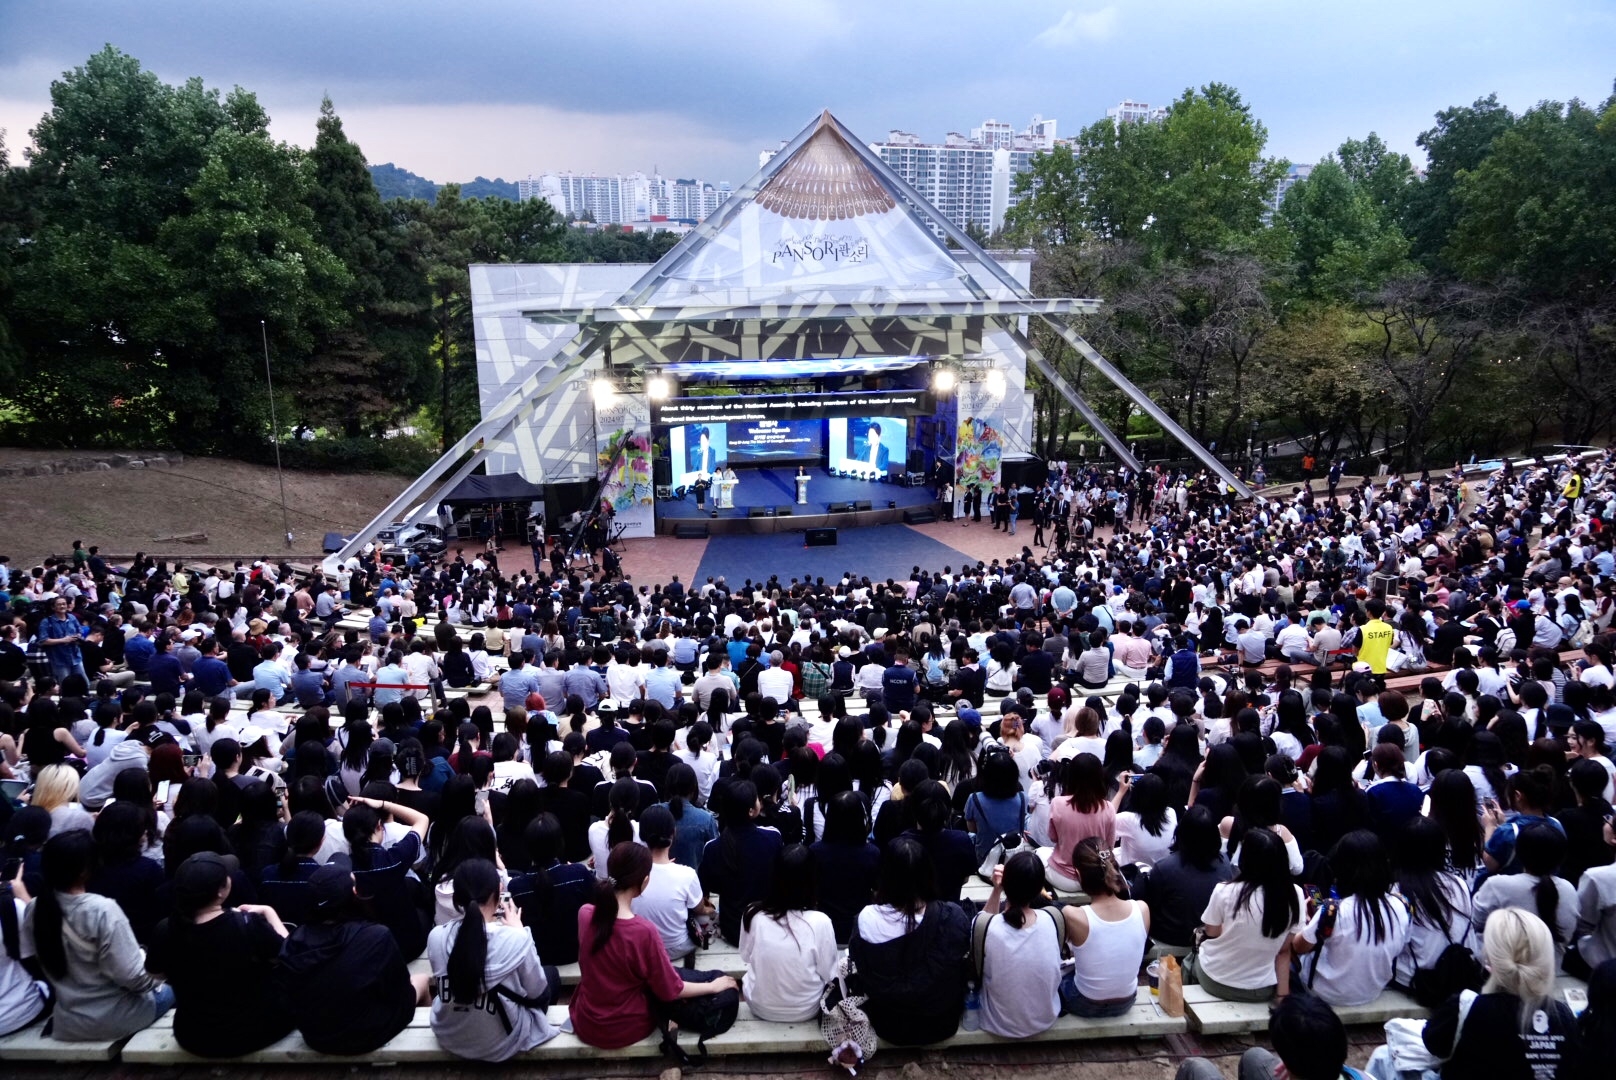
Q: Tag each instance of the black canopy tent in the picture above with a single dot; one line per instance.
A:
(496, 488)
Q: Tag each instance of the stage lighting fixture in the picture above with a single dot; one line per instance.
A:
(713, 514)
(995, 382)
(656, 387)
(943, 380)
(603, 391)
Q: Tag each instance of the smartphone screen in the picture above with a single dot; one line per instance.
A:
(162, 791)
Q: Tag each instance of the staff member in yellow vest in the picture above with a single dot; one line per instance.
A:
(1377, 636)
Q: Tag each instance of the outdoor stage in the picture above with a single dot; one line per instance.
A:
(777, 489)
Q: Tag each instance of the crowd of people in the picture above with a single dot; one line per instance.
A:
(254, 796)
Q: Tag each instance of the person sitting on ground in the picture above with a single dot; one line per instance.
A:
(1108, 937)
(626, 983)
(342, 976)
(219, 964)
(789, 948)
(907, 947)
(1248, 924)
(88, 951)
(1020, 954)
(493, 992)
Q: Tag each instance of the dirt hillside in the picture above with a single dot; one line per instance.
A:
(126, 510)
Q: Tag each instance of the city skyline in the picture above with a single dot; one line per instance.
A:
(508, 90)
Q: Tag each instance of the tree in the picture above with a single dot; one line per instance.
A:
(375, 365)
(1049, 203)
(1383, 176)
(1215, 182)
(1341, 243)
(11, 226)
(1460, 141)
(1430, 335)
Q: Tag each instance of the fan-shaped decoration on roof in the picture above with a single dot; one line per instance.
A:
(825, 181)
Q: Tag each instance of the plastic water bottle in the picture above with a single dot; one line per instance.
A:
(973, 1008)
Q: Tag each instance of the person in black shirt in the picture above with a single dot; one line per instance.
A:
(218, 962)
(952, 852)
(342, 976)
(564, 799)
(652, 765)
(284, 885)
(123, 873)
(739, 863)
(845, 862)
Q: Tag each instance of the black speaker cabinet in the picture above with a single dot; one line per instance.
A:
(819, 538)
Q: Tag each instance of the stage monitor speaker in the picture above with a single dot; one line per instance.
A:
(892, 504)
(759, 511)
(839, 507)
(782, 511)
(862, 504)
(819, 537)
(690, 532)
(922, 516)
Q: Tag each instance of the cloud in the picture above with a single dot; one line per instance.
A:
(1075, 27)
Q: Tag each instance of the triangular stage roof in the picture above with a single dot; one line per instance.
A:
(825, 232)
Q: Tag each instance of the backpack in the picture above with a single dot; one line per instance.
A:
(934, 671)
(1456, 969)
(704, 1017)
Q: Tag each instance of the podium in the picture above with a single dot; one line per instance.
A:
(726, 494)
(802, 491)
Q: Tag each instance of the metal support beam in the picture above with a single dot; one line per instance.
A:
(1073, 338)
(539, 385)
(811, 311)
(1118, 447)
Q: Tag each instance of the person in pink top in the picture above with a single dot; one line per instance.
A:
(1079, 812)
(1130, 653)
(623, 965)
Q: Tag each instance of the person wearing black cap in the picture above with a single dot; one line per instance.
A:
(342, 976)
(218, 961)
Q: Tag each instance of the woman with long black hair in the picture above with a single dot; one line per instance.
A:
(492, 990)
(1540, 848)
(87, 950)
(1453, 808)
(219, 963)
(738, 865)
(1438, 902)
(1248, 924)
(788, 947)
(1357, 938)
(907, 948)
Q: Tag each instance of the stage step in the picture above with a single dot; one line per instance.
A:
(924, 515)
(690, 532)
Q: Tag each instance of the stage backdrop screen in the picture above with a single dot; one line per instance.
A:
(775, 442)
(869, 444)
(696, 450)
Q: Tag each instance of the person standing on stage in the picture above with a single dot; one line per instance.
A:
(802, 485)
(945, 495)
(730, 480)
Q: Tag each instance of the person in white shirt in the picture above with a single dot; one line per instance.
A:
(789, 948)
(1356, 940)
(626, 681)
(1019, 961)
(1249, 923)
(775, 681)
(673, 894)
(619, 826)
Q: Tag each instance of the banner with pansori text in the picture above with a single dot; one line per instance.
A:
(623, 462)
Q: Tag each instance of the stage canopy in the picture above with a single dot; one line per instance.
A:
(495, 488)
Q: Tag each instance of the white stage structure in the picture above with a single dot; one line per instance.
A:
(826, 254)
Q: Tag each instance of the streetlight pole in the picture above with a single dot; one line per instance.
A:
(275, 432)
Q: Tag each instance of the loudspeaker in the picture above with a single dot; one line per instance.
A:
(917, 459)
(759, 511)
(690, 532)
(862, 504)
(782, 511)
(839, 507)
(923, 516)
(892, 504)
(819, 538)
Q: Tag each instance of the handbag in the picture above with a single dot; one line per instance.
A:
(1006, 844)
(843, 1021)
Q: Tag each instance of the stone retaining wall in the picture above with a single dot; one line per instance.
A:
(125, 459)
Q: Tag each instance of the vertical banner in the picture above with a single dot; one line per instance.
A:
(979, 445)
(623, 462)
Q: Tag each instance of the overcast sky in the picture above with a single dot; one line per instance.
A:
(698, 87)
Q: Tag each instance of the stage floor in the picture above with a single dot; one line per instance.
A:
(878, 552)
(778, 488)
